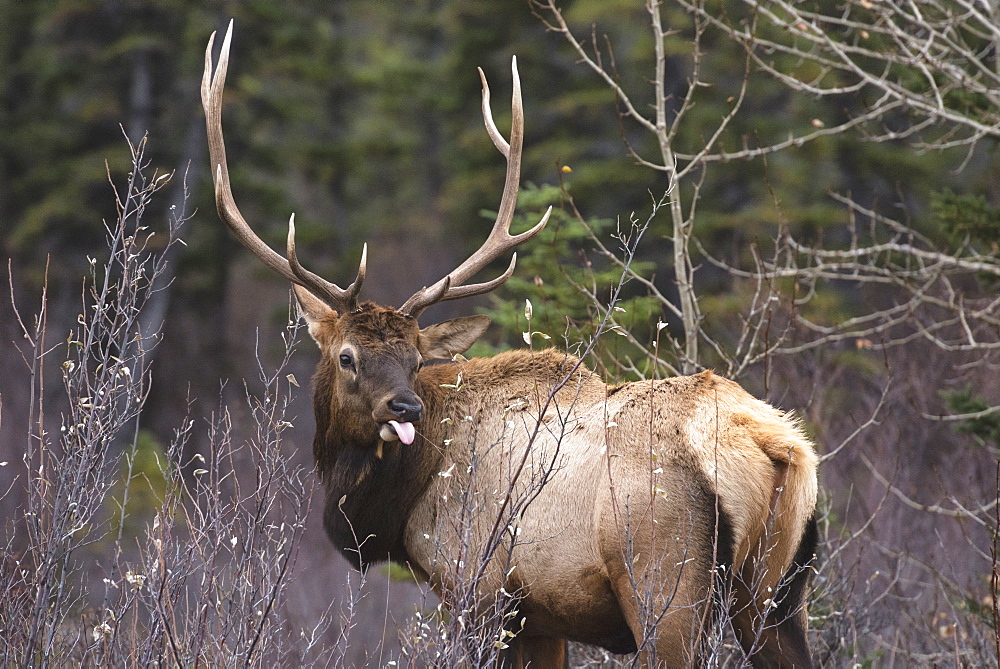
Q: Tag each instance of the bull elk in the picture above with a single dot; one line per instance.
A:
(643, 511)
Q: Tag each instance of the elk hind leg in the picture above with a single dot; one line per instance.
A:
(668, 625)
(779, 640)
(670, 600)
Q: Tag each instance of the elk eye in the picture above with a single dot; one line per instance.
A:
(346, 361)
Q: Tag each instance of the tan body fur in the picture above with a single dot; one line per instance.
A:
(677, 442)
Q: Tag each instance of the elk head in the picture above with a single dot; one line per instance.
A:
(367, 385)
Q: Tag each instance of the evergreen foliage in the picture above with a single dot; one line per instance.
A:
(985, 426)
(560, 273)
(968, 215)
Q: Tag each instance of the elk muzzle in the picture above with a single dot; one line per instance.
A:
(406, 409)
(408, 412)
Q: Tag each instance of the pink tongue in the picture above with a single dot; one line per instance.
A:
(404, 431)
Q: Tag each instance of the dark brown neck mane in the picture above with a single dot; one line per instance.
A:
(368, 489)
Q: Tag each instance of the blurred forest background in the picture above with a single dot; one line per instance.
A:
(830, 242)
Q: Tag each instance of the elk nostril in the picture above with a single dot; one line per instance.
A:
(408, 412)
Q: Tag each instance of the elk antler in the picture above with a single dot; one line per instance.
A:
(500, 240)
(338, 298)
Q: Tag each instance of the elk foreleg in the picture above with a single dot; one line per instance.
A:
(537, 652)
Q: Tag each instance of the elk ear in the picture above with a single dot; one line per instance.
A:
(447, 339)
(312, 309)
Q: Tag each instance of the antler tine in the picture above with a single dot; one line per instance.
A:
(500, 240)
(212, 86)
(344, 300)
(491, 127)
